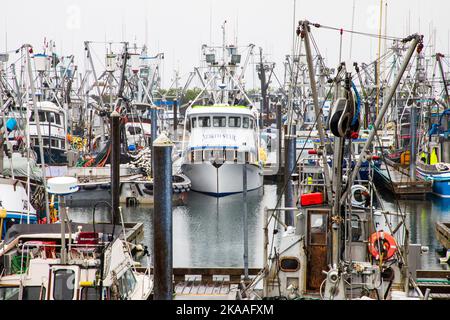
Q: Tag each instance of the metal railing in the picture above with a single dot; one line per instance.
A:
(220, 156)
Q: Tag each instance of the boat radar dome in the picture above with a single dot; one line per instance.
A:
(62, 185)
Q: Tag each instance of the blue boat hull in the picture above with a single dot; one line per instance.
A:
(441, 183)
(442, 188)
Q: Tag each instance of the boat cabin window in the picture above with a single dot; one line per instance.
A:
(289, 264)
(204, 122)
(194, 122)
(252, 123)
(63, 144)
(58, 118)
(220, 122)
(357, 229)
(51, 117)
(64, 285)
(54, 143)
(33, 293)
(318, 229)
(246, 123)
(90, 293)
(9, 293)
(127, 283)
(134, 130)
(46, 142)
(234, 122)
(42, 116)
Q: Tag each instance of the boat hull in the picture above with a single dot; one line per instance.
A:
(441, 182)
(224, 180)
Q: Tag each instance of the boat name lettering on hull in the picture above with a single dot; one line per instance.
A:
(227, 136)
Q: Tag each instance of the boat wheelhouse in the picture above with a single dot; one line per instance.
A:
(53, 128)
(222, 139)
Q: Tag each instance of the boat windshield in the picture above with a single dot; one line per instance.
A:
(220, 122)
(235, 122)
(204, 122)
(33, 293)
(9, 293)
(90, 293)
(64, 286)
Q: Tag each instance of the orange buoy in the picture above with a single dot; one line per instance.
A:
(384, 242)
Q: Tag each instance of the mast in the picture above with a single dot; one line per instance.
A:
(320, 129)
(439, 57)
(102, 124)
(28, 48)
(262, 77)
(378, 66)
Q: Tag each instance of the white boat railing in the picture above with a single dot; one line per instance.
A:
(221, 156)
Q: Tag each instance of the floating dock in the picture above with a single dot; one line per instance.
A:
(208, 283)
(443, 234)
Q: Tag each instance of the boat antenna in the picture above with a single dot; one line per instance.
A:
(210, 22)
(146, 25)
(353, 29)
(6, 35)
(236, 30)
(378, 77)
(224, 39)
(294, 28)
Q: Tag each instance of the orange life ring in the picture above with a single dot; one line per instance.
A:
(385, 242)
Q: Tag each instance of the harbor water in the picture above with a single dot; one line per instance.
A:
(208, 232)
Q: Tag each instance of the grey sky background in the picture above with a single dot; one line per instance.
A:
(179, 27)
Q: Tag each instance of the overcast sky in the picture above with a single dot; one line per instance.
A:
(179, 27)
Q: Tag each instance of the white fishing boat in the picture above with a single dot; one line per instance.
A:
(223, 130)
(53, 126)
(98, 264)
(54, 131)
(222, 139)
(15, 206)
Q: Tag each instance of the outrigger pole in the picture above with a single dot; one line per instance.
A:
(312, 79)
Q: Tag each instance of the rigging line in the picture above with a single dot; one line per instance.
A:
(318, 25)
(379, 76)
(367, 66)
(281, 86)
(298, 158)
(403, 216)
(294, 81)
